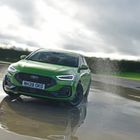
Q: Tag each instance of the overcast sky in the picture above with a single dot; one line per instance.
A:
(102, 28)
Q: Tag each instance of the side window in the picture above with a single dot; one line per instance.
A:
(81, 61)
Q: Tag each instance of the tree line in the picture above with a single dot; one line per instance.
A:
(97, 65)
(106, 65)
(12, 55)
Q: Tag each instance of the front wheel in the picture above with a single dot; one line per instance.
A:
(78, 96)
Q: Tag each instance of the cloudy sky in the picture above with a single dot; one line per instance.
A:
(102, 28)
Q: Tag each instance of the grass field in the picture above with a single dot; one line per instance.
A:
(129, 75)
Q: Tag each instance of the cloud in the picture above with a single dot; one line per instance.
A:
(116, 21)
(104, 27)
(25, 10)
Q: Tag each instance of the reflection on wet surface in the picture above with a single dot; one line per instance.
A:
(37, 118)
(129, 93)
(106, 116)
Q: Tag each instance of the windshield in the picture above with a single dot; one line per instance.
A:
(57, 58)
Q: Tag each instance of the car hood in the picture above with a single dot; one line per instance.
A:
(43, 68)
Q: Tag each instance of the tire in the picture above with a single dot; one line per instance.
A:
(78, 96)
(87, 92)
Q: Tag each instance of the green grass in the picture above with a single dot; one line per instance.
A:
(129, 75)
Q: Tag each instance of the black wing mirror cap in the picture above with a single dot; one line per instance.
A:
(82, 67)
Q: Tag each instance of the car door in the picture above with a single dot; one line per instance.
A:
(85, 75)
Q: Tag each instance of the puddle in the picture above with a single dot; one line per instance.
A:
(37, 118)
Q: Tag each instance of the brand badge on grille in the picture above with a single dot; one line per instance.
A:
(34, 77)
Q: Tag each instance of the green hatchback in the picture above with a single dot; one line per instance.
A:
(56, 75)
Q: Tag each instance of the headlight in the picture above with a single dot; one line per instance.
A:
(65, 77)
(12, 69)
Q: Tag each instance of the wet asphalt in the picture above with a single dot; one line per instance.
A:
(111, 113)
(117, 81)
(106, 116)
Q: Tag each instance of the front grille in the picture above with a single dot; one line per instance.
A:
(48, 81)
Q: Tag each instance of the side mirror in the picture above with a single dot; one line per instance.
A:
(23, 57)
(82, 67)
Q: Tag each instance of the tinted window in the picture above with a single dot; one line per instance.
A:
(55, 58)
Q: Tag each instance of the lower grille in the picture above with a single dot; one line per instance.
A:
(62, 93)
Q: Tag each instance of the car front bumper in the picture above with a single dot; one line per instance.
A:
(57, 92)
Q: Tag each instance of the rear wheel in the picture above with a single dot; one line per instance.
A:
(78, 96)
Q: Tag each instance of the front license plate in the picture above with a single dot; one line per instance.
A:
(33, 85)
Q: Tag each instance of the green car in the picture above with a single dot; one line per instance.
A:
(56, 75)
